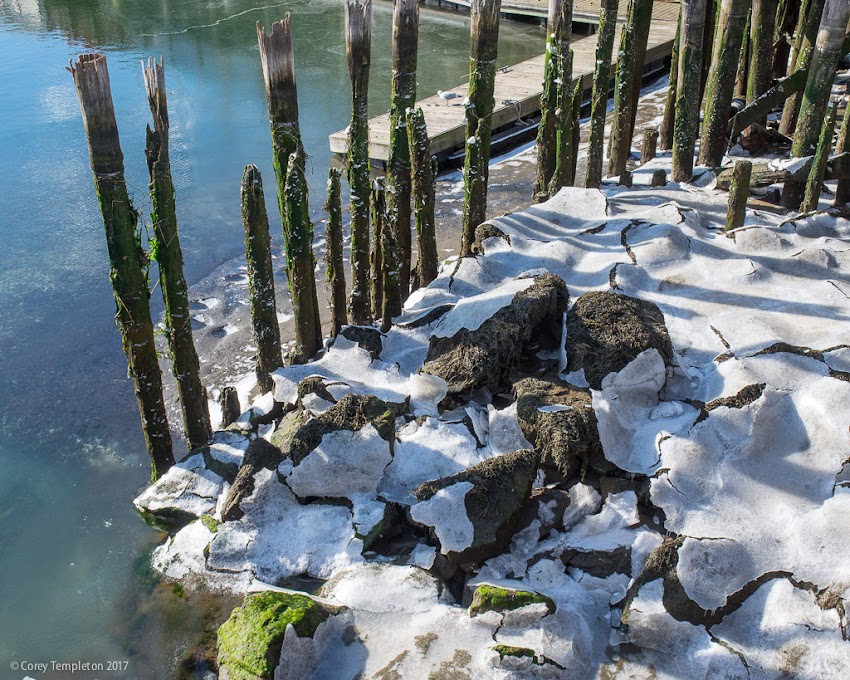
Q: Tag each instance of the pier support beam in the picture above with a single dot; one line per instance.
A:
(687, 105)
(333, 255)
(424, 193)
(599, 98)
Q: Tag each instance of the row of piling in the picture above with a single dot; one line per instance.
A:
(723, 48)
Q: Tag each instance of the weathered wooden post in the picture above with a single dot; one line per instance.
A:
(762, 23)
(630, 60)
(842, 191)
(712, 10)
(807, 32)
(687, 105)
(169, 257)
(403, 97)
(649, 145)
(827, 52)
(744, 61)
(378, 204)
(278, 65)
(127, 267)
(814, 184)
(484, 42)
(423, 196)
(798, 35)
(659, 178)
(599, 98)
(258, 257)
(557, 39)
(228, 401)
(721, 80)
(666, 137)
(736, 210)
(625, 179)
(575, 131)
(358, 48)
(786, 16)
(565, 151)
(390, 274)
(334, 267)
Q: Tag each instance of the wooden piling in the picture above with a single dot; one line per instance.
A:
(575, 131)
(127, 271)
(649, 145)
(358, 48)
(300, 261)
(806, 39)
(484, 41)
(814, 184)
(827, 51)
(666, 136)
(744, 61)
(625, 179)
(278, 64)
(403, 97)
(687, 105)
(565, 149)
(842, 191)
(762, 26)
(558, 34)
(712, 12)
(599, 98)
(424, 196)
(627, 84)
(169, 257)
(261, 294)
(378, 204)
(798, 35)
(721, 80)
(334, 268)
(228, 401)
(738, 192)
(390, 273)
(786, 17)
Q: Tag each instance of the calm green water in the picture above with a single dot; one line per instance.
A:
(73, 583)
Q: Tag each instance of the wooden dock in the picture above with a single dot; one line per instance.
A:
(584, 11)
(517, 93)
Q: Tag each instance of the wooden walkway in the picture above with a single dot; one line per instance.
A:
(584, 11)
(517, 93)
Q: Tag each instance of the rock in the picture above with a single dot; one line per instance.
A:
(493, 495)
(546, 507)
(487, 230)
(487, 598)
(352, 412)
(605, 331)
(250, 641)
(600, 563)
(485, 357)
(259, 455)
(287, 428)
(367, 337)
(228, 400)
(559, 420)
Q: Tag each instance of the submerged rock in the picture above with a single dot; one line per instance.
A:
(559, 420)
(606, 331)
(490, 495)
(485, 355)
(250, 641)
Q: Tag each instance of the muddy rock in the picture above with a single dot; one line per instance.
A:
(499, 488)
(605, 331)
(485, 357)
(260, 454)
(559, 420)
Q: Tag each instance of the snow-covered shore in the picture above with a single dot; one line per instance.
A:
(709, 538)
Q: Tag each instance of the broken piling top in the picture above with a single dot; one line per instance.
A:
(278, 62)
(91, 78)
(154, 75)
(358, 35)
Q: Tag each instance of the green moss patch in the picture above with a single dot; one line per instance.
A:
(249, 642)
(490, 598)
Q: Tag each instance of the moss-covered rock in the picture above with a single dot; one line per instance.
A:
(210, 522)
(524, 653)
(559, 420)
(607, 330)
(486, 356)
(487, 598)
(501, 487)
(249, 642)
(352, 412)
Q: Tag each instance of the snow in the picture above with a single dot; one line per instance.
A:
(445, 511)
(188, 487)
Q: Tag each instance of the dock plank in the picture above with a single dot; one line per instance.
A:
(517, 93)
